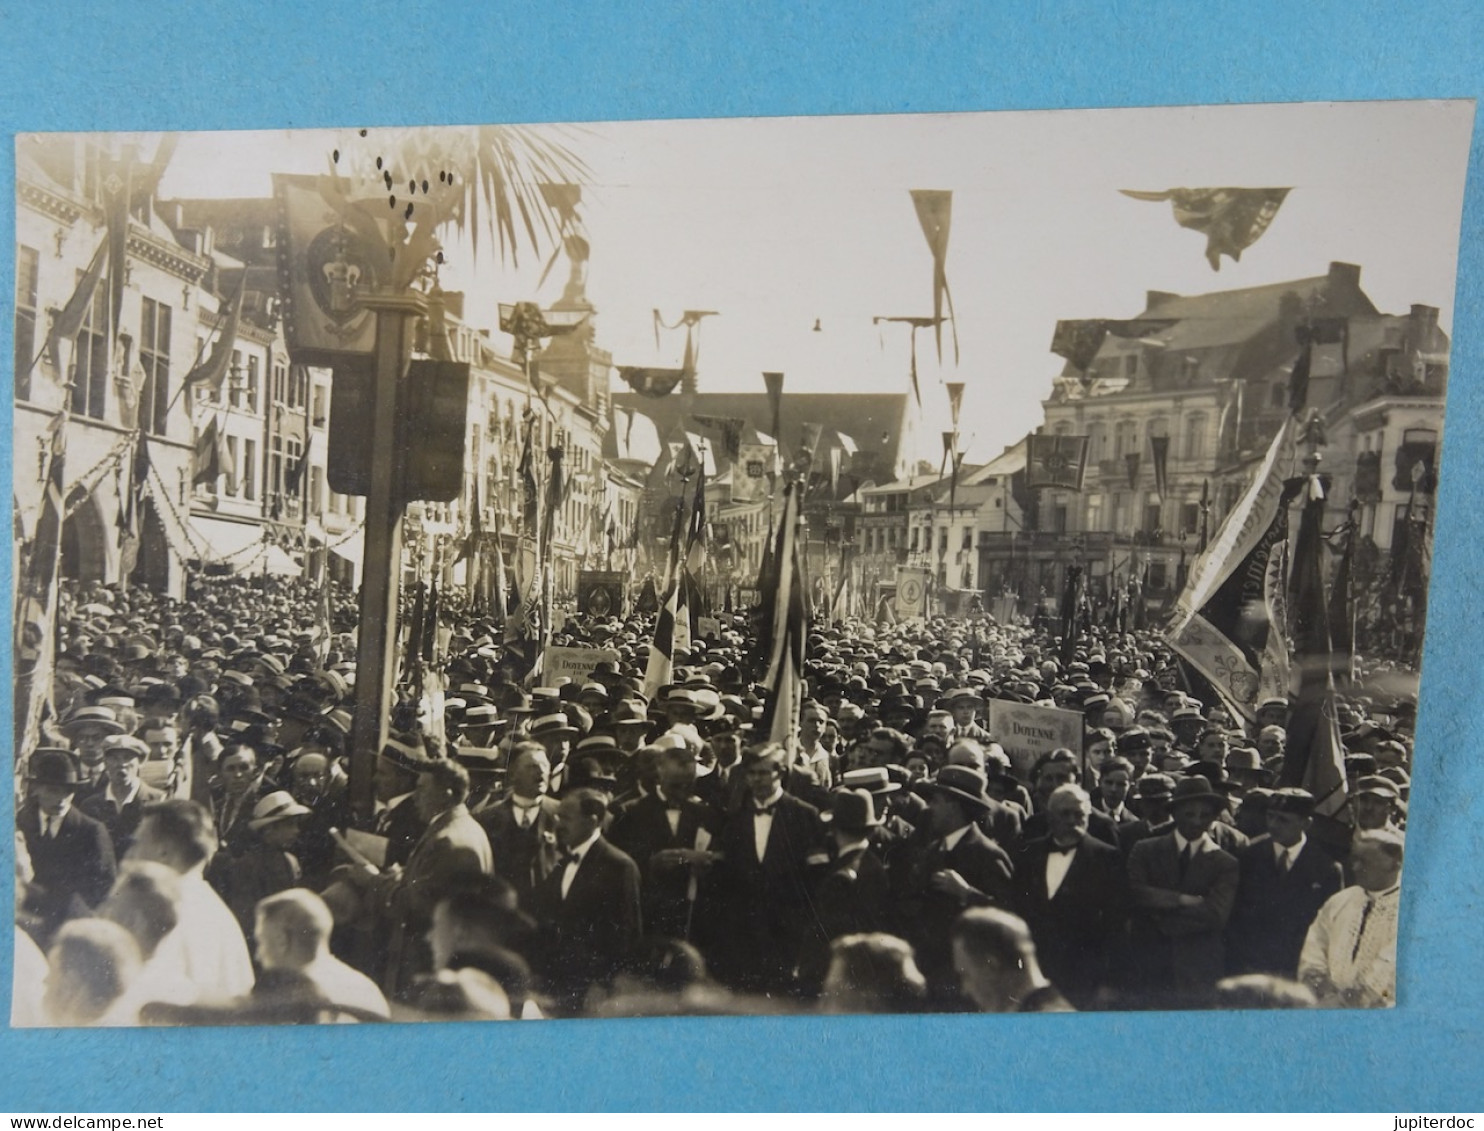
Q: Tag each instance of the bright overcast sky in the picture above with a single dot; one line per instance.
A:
(778, 222)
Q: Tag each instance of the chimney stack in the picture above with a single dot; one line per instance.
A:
(1344, 275)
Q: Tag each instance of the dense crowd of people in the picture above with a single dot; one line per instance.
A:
(187, 851)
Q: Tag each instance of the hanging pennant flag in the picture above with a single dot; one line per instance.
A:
(935, 213)
(530, 512)
(1233, 219)
(1229, 619)
(955, 400)
(650, 382)
(1298, 383)
(1055, 461)
(1132, 461)
(774, 383)
(1159, 448)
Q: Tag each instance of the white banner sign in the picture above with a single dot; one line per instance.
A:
(1026, 732)
(911, 593)
(575, 663)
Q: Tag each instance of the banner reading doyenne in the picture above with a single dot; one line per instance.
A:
(574, 663)
(1026, 732)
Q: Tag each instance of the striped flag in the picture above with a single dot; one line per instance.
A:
(671, 629)
(790, 630)
(660, 670)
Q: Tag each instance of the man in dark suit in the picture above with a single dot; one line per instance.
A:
(1184, 888)
(852, 895)
(70, 852)
(119, 805)
(521, 826)
(588, 907)
(950, 866)
(668, 834)
(1071, 890)
(1001, 822)
(754, 914)
(1285, 880)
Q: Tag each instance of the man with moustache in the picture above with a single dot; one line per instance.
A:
(521, 826)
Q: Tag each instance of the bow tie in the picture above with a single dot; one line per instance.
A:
(764, 810)
(1059, 849)
(569, 858)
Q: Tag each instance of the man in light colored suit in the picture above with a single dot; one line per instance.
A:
(1184, 887)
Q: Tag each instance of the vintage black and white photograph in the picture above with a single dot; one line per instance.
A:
(966, 563)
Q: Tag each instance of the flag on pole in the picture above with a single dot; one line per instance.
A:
(789, 618)
(955, 400)
(210, 455)
(212, 370)
(36, 602)
(1229, 620)
(68, 322)
(935, 214)
(1315, 756)
(294, 481)
(660, 668)
(1232, 219)
(1056, 461)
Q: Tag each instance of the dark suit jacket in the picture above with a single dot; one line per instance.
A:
(752, 915)
(1275, 909)
(1185, 947)
(852, 895)
(120, 823)
(523, 857)
(1078, 931)
(403, 828)
(592, 930)
(641, 831)
(74, 868)
(927, 916)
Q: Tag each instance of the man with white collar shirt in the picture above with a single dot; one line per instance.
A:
(589, 906)
(522, 825)
(1286, 878)
(756, 900)
(1184, 887)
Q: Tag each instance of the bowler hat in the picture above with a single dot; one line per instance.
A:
(852, 811)
(51, 765)
(962, 783)
(1195, 788)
